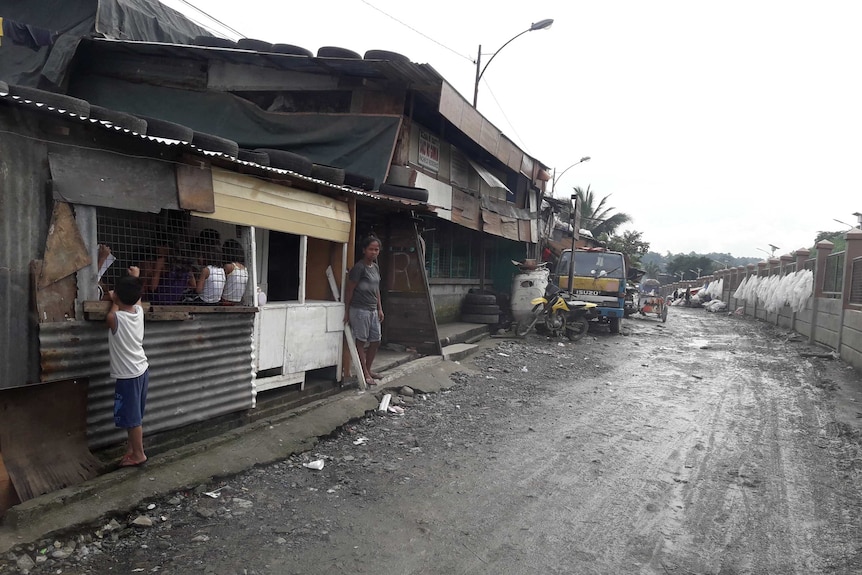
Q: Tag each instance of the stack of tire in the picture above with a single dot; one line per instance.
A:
(480, 306)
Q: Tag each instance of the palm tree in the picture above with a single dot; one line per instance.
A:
(652, 269)
(596, 216)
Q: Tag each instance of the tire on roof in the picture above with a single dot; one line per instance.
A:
(329, 174)
(358, 181)
(256, 157)
(407, 192)
(252, 44)
(213, 143)
(119, 119)
(336, 52)
(386, 55)
(291, 49)
(213, 42)
(58, 101)
(168, 130)
(288, 161)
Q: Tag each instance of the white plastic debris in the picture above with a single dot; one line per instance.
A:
(317, 464)
(215, 492)
(360, 441)
(397, 409)
(500, 353)
(384, 403)
(524, 369)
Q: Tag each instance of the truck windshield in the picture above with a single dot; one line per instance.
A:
(592, 264)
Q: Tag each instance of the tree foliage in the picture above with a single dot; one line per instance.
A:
(837, 238)
(652, 269)
(596, 215)
(631, 244)
(690, 266)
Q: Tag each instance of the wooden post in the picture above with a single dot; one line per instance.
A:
(348, 334)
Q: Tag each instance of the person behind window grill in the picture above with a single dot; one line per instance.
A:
(210, 280)
(167, 277)
(236, 274)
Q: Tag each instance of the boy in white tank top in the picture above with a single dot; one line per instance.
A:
(129, 364)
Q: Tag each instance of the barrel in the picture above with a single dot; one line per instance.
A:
(525, 288)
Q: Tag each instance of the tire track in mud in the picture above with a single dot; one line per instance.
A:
(702, 446)
(678, 474)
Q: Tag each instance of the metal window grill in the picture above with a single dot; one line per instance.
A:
(453, 252)
(172, 249)
(856, 282)
(834, 282)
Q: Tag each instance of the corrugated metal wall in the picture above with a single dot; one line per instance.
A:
(25, 212)
(199, 369)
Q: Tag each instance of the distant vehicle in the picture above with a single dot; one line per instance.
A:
(599, 277)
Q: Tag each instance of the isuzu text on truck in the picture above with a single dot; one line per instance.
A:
(599, 277)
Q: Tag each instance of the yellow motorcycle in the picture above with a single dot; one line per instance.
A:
(558, 315)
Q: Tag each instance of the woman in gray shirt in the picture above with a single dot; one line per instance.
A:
(362, 306)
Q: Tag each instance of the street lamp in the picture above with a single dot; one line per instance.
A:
(720, 262)
(772, 247)
(858, 217)
(556, 177)
(697, 272)
(480, 70)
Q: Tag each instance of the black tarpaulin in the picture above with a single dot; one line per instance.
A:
(360, 143)
(45, 67)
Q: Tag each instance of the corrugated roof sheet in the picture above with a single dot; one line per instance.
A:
(6, 96)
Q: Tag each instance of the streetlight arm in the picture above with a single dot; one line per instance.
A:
(485, 67)
(554, 182)
(480, 70)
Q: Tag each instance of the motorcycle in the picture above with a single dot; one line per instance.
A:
(558, 315)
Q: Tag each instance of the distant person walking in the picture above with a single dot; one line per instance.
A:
(129, 365)
(363, 308)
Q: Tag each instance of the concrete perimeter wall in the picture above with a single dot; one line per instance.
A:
(831, 317)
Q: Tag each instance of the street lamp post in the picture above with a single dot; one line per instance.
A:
(556, 177)
(480, 70)
(858, 217)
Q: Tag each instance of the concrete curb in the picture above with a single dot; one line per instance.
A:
(230, 453)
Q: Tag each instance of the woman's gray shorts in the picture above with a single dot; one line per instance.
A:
(365, 324)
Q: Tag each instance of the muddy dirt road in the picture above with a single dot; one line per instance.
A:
(707, 445)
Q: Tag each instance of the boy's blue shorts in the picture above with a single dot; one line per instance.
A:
(130, 399)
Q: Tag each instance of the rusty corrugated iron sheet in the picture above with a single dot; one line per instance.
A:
(199, 369)
(25, 212)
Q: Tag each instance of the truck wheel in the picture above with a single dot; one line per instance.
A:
(614, 323)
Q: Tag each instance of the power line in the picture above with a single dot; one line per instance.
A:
(426, 36)
(214, 19)
(505, 117)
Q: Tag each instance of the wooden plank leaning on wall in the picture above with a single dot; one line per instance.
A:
(351, 249)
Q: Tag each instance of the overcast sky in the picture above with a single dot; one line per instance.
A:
(720, 127)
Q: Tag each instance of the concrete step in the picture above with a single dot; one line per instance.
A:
(458, 351)
(460, 332)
